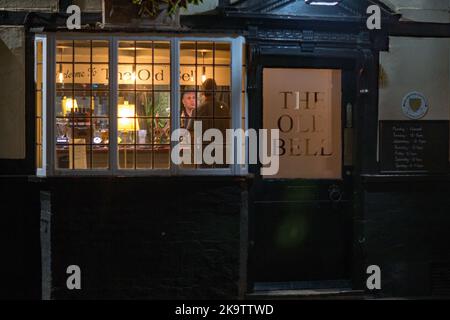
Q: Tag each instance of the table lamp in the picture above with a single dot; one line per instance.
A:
(69, 105)
(126, 122)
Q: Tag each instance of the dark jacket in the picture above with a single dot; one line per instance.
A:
(214, 114)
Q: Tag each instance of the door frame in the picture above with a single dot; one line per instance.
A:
(358, 66)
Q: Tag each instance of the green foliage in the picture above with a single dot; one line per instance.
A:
(153, 7)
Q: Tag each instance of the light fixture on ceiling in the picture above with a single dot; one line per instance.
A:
(204, 68)
(61, 75)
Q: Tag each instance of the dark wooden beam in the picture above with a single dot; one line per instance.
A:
(42, 19)
(420, 29)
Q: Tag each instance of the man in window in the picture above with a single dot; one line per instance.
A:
(213, 112)
(188, 101)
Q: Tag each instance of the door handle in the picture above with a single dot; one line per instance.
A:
(335, 193)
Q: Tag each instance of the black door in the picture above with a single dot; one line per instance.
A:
(300, 233)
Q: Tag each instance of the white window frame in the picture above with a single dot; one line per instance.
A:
(42, 171)
(49, 119)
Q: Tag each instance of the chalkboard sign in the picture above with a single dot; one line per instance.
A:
(414, 146)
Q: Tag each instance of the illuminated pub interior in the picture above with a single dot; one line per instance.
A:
(363, 178)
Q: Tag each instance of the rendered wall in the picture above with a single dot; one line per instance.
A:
(12, 92)
(422, 10)
(426, 71)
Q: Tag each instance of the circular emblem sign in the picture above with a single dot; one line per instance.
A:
(415, 105)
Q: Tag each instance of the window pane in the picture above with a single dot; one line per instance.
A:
(144, 79)
(81, 130)
(162, 77)
(82, 51)
(144, 157)
(127, 77)
(187, 53)
(127, 52)
(127, 98)
(64, 76)
(161, 155)
(144, 104)
(100, 104)
(100, 131)
(223, 78)
(100, 157)
(162, 104)
(144, 134)
(204, 73)
(38, 106)
(62, 157)
(79, 158)
(222, 54)
(127, 157)
(205, 53)
(144, 52)
(161, 131)
(39, 52)
(39, 75)
(82, 76)
(309, 122)
(100, 76)
(187, 75)
(63, 103)
(162, 52)
(126, 122)
(100, 51)
(63, 132)
(64, 51)
(222, 106)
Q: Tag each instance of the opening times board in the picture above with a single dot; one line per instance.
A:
(414, 146)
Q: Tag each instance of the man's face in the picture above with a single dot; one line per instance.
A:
(189, 100)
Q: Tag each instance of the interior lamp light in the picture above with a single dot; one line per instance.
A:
(69, 105)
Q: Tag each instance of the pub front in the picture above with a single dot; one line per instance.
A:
(353, 190)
